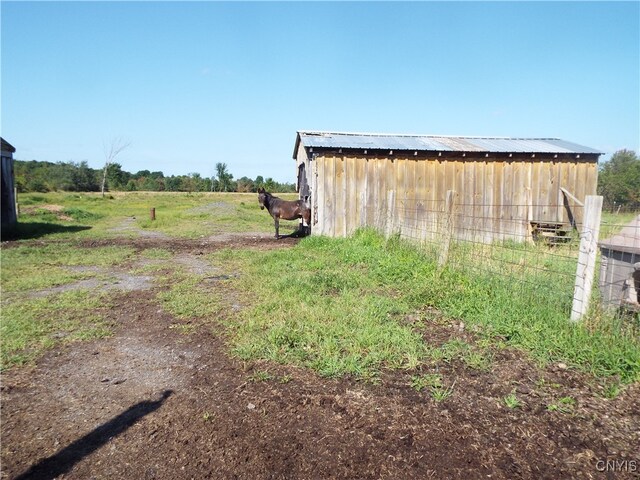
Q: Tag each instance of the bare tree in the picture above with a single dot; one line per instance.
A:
(111, 150)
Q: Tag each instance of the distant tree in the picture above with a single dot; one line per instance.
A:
(148, 184)
(224, 177)
(245, 184)
(258, 182)
(83, 178)
(619, 179)
(172, 183)
(269, 185)
(116, 177)
(112, 149)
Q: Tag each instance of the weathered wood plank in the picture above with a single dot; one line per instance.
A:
(585, 270)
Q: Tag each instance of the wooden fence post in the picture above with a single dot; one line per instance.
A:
(391, 212)
(587, 257)
(529, 216)
(446, 226)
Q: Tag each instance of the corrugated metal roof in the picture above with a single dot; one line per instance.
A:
(437, 143)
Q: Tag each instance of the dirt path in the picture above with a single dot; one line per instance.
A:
(152, 403)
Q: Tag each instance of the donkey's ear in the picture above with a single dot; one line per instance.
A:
(260, 190)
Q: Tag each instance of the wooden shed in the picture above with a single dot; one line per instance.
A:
(620, 268)
(9, 216)
(505, 188)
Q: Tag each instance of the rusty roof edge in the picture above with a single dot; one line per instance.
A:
(555, 145)
(412, 135)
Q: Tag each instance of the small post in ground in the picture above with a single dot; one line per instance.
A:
(153, 213)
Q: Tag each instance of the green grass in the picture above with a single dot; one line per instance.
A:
(512, 401)
(563, 405)
(186, 299)
(337, 305)
(312, 309)
(188, 215)
(36, 267)
(31, 326)
(428, 380)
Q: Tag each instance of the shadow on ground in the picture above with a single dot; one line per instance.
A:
(31, 230)
(66, 458)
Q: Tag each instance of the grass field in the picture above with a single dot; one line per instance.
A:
(338, 306)
(184, 215)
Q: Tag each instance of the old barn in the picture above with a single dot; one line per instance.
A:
(504, 188)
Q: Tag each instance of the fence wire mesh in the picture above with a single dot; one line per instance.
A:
(538, 259)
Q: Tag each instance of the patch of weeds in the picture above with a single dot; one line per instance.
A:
(612, 390)
(188, 299)
(563, 405)
(428, 380)
(477, 360)
(30, 327)
(512, 401)
(435, 354)
(81, 215)
(371, 377)
(541, 382)
(455, 349)
(183, 328)
(441, 393)
(208, 417)
(156, 254)
(434, 383)
(285, 379)
(260, 376)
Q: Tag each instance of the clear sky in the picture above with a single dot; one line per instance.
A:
(195, 83)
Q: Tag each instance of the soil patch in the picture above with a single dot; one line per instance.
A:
(128, 225)
(113, 281)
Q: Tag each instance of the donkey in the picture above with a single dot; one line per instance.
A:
(279, 208)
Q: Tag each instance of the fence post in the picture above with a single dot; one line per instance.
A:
(446, 226)
(529, 216)
(587, 257)
(391, 207)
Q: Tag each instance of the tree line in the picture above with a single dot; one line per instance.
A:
(39, 176)
(619, 180)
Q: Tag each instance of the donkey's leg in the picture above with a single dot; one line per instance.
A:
(307, 220)
(276, 220)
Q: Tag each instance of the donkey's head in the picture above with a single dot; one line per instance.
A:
(262, 195)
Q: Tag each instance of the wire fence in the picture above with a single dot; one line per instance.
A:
(547, 259)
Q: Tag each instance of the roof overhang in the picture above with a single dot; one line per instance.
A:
(438, 143)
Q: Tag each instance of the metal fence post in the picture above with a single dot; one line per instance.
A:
(587, 257)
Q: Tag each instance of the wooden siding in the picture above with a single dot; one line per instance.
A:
(496, 197)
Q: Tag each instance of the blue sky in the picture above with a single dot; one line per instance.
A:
(190, 84)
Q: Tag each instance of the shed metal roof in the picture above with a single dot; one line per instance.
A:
(437, 143)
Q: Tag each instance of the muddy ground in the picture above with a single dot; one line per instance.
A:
(151, 402)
